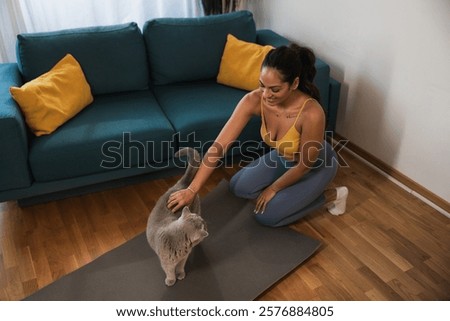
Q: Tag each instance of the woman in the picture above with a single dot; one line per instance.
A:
(290, 181)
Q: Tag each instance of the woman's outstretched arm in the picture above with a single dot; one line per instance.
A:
(246, 108)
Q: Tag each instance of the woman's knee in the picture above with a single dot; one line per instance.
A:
(234, 184)
(243, 184)
(237, 187)
(267, 219)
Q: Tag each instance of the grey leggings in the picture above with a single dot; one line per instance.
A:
(293, 202)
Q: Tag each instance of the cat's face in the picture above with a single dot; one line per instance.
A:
(195, 226)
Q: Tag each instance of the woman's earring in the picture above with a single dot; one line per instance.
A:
(296, 83)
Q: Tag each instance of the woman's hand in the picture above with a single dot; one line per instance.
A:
(263, 199)
(177, 200)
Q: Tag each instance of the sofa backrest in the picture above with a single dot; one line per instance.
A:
(189, 49)
(113, 58)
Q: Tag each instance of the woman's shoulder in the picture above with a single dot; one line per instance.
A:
(312, 107)
(252, 101)
(313, 112)
(254, 96)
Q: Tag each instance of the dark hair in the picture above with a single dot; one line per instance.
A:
(294, 61)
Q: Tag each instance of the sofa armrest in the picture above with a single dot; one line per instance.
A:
(335, 91)
(268, 37)
(14, 170)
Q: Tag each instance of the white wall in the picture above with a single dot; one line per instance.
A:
(393, 60)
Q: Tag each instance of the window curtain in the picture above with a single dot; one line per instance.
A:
(12, 24)
(211, 7)
(20, 16)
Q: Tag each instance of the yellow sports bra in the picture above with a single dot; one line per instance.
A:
(289, 144)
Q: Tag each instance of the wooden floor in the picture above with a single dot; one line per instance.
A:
(388, 246)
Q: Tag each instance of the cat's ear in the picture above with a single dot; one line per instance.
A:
(186, 211)
(199, 236)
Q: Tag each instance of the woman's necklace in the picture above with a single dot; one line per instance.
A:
(284, 114)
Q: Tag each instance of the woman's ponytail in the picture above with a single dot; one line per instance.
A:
(308, 70)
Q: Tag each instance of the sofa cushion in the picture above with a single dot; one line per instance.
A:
(186, 49)
(199, 110)
(241, 63)
(116, 131)
(113, 58)
(53, 98)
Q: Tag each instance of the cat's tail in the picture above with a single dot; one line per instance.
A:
(193, 159)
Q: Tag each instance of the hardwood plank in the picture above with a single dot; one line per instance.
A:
(379, 286)
(290, 287)
(380, 241)
(332, 289)
(430, 281)
(310, 280)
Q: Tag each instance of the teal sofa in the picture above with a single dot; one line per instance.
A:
(154, 91)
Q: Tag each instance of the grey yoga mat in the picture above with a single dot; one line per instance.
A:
(239, 260)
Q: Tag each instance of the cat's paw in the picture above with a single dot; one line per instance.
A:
(181, 275)
(170, 282)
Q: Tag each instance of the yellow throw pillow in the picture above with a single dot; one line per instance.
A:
(241, 63)
(53, 98)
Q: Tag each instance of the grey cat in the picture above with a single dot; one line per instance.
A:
(173, 235)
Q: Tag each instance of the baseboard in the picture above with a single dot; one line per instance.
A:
(397, 177)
